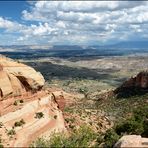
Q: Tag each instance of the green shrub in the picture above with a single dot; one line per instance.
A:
(19, 123)
(1, 145)
(22, 121)
(15, 103)
(1, 124)
(11, 132)
(58, 140)
(137, 124)
(130, 126)
(145, 126)
(110, 138)
(141, 113)
(21, 101)
(55, 116)
(67, 109)
(83, 137)
(40, 142)
(79, 138)
(39, 115)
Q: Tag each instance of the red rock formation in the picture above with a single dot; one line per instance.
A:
(21, 97)
(133, 86)
(59, 99)
(141, 81)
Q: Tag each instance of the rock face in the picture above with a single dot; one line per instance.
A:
(134, 86)
(131, 141)
(22, 98)
(52, 121)
(17, 78)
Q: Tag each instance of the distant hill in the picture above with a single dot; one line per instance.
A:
(120, 45)
(130, 44)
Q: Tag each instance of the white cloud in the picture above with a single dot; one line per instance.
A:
(80, 21)
(6, 23)
(61, 24)
(9, 25)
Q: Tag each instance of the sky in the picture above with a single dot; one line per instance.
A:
(72, 22)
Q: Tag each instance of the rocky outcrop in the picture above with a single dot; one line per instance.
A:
(51, 121)
(137, 85)
(23, 99)
(132, 141)
(17, 78)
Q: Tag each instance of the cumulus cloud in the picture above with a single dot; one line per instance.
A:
(81, 22)
(9, 25)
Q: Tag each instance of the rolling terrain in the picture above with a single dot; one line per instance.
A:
(87, 80)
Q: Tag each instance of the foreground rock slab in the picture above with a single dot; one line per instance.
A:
(132, 141)
(51, 121)
(26, 110)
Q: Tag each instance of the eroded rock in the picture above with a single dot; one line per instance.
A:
(17, 78)
(21, 98)
(134, 86)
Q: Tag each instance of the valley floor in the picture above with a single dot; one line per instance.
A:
(92, 74)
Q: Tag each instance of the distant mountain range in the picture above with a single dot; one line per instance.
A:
(128, 45)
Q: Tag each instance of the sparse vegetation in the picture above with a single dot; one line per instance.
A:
(39, 115)
(68, 110)
(11, 132)
(79, 77)
(84, 91)
(1, 145)
(72, 120)
(82, 137)
(21, 101)
(136, 124)
(19, 123)
(15, 103)
(55, 116)
(110, 138)
(1, 124)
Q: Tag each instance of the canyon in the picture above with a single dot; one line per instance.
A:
(29, 108)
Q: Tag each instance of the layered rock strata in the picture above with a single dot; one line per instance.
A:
(26, 110)
(17, 78)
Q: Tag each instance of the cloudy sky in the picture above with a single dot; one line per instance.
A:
(72, 22)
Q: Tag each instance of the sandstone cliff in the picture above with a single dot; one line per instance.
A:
(17, 78)
(137, 85)
(26, 110)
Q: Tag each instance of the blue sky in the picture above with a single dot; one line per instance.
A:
(73, 22)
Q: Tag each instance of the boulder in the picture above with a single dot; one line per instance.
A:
(131, 141)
